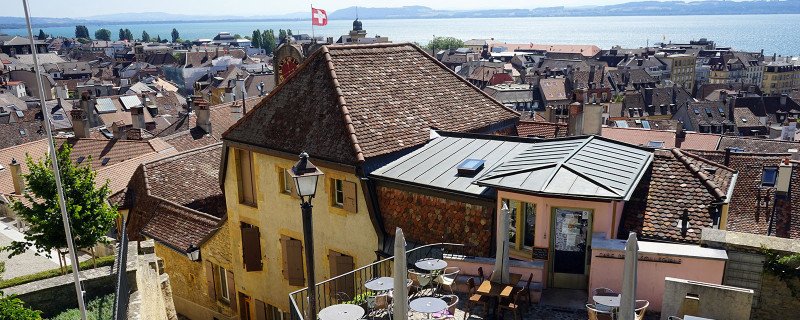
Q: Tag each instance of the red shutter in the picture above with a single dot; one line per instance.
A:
(212, 292)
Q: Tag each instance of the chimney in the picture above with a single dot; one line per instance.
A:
(723, 96)
(727, 156)
(236, 112)
(203, 113)
(782, 206)
(16, 177)
(648, 96)
(591, 77)
(137, 117)
(575, 120)
(87, 104)
(795, 154)
(680, 134)
(80, 123)
(330, 40)
(117, 129)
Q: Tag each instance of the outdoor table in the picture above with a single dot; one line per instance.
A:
(430, 264)
(427, 305)
(611, 301)
(498, 290)
(695, 318)
(342, 312)
(380, 284)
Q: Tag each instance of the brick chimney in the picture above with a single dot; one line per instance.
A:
(118, 130)
(236, 111)
(80, 123)
(680, 134)
(137, 117)
(87, 104)
(203, 112)
(16, 177)
(783, 200)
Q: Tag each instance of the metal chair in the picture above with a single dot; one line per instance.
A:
(641, 307)
(448, 278)
(475, 298)
(419, 280)
(596, 314)
(378, 303)
(342, 297)
(450, 312)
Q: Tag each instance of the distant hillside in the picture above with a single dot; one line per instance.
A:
(641, 8)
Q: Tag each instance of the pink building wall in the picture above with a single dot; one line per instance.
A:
(607, 272)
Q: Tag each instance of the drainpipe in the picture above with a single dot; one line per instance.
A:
(727, 156)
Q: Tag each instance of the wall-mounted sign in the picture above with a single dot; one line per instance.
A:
(541, 253)
(641, 258)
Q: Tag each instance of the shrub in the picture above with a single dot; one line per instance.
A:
(101, 262)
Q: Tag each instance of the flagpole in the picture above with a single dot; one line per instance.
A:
(313, 36)
(54, 159)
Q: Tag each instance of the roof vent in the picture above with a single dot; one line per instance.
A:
(710, 170)
(470, 166)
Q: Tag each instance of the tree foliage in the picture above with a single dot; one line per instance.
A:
(121, 34)
(444, 43)
(145, 36)
(81, 32)
(268, 41)
(281, 35)
(158, 39)
(103, 34)
(237, 36)
(41, 36)
(11, 308)
(175, 35)
(90, 215)
(256, 38)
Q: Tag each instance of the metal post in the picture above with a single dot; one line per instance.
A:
(308, 236)
(54, 159)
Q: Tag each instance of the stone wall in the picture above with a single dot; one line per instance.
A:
(428, 219)
(39, 295)
(153, 297)
(776, 301)
(713, 301)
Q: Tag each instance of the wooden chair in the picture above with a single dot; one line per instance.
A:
(596, 314)
(475, 298)
(512, 305)
(641, 307)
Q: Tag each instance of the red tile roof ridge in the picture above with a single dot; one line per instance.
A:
(715, 190)
(351, 130)
(699, 158)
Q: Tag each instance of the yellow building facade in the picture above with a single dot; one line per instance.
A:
(682, 66)
(266, 229)
(780, 77)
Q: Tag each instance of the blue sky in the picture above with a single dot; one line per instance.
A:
(86, 8)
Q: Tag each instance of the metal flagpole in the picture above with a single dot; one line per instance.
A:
(54, 159)
(313, 36)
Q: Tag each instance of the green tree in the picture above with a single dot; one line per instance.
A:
(90, 215)
(288, 32)
(281, 35)
(41, 36)
(175, 35)
(158, 39)
(11, 308)
(268, 41)
(256, 38)
(129, 35)
(145, 36)
(237, 36)
(103, 34)
(444, 43)
(81, 32)
(121, 34)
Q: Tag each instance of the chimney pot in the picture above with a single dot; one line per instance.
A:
(16, 177)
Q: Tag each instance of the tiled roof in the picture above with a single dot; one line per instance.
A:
(673, 200)
(752, 205)
(745, 118)
(541, 129)
(184, 134)
(17, 133)
(757, 145)
(553, 89)
(362, 101)
(693, 140)
(178, 227)
(707, 113)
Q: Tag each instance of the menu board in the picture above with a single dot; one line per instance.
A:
(541, 253)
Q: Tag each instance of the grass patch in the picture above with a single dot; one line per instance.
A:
(86, 265)
(100, 308)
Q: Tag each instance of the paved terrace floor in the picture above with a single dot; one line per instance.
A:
(28, 262)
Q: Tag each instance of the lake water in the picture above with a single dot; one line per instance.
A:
(773, 33)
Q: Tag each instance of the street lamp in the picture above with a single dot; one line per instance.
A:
(305, 176)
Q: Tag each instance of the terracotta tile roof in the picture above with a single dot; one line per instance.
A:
(190, 139)
(757, 145)
(553, 89)
(17, 133)
(673, 200)
(541, 129)
(386, 97)
(693, 140)
(752, 205)
(178, 227)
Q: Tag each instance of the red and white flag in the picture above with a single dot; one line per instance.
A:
(319, 17)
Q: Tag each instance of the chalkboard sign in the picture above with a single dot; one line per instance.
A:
(541, 253)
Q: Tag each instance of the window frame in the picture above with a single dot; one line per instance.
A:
(223, 283)
(768, 184)
(286, 182)
(337, 193)
(519, 223)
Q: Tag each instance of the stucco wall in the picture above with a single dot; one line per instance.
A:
(715, 301)
(279, 214)
(607, 272)
(427, 219)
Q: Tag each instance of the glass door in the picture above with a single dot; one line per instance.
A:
(571, 228)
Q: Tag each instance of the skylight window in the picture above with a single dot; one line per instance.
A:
(22, 132)
(105, 161)
(657, 144)
(769, 176)
(80, 159)
(744, 120)
(696, 111)
(470, 166)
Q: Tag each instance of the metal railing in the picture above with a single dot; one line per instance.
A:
(122, 292)
(349, 287)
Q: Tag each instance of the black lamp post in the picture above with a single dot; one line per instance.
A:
(305, 176)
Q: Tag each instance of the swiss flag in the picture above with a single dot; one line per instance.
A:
(319, 17)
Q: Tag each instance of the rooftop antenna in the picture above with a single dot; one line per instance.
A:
(356, 12)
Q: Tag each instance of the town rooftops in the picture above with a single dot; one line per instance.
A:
(436, 163)
(669, 138)
(346, 103)
(582, 167)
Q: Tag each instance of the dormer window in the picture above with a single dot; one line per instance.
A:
(769, 176)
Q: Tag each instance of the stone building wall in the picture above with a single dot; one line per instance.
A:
(427, 219)
(776, 300)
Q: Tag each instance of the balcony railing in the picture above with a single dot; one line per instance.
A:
(349, 287)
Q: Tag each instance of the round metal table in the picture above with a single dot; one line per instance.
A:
(342, 312)
(427, 305)
(380, 284)
(431, 264)
(610, 301)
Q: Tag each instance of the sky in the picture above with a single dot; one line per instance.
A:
(87, 8)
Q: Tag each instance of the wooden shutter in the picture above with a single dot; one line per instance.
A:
(293, 186)
(294, 255)
(231, 290)
(342, 264)
(246, 176)
(261, 310)
(212, 292)
(284, 257)
(349, 193)
(251, 249)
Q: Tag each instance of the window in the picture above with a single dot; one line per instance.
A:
(251, 247)
(287, 185)
(246, 177)
(220, 284)
(338, 192)
(223, 283)
(343, 195)
(292, 257)
(769, 176)
(657, 144)
(522, 224)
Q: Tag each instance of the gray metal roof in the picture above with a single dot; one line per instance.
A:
(435, 164)
(130, 101)
(584, 167)
(105, 105)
